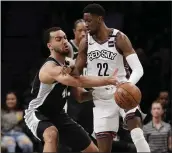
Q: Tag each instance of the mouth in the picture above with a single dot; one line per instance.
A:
(66, 47)
(88, 30)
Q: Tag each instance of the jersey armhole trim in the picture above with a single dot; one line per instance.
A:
(118, 50)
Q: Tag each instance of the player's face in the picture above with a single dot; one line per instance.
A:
(11, 101)
(157, 110)
(58, 42)
(80, 31)
(92, 23)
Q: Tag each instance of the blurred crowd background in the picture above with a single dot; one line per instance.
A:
(147, 24)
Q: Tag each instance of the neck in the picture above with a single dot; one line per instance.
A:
(58, 57)
(103, 32)
(156, 120)
(76, 42)
(11, 109)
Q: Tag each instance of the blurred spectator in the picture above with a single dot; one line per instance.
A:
(163, 98)
(157, 132)
(11, 126)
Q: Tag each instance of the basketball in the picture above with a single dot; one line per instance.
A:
(127, 95)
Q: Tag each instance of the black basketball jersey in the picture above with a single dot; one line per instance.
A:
(75, 49)
(50, 98)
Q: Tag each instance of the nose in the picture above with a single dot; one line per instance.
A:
(83, 33)
(65, 41)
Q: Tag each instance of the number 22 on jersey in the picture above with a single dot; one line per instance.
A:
(102, 69)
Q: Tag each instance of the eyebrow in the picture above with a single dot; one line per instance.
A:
(59, 36)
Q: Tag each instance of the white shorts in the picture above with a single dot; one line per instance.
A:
(106, 114)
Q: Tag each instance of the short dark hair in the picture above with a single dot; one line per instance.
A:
(76, 22)
(96, 9)
(47, 33)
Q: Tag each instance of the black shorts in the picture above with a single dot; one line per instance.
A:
(70, 133)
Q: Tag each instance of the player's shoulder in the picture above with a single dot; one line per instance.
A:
(47, 67)
(119, 32)
(48, 64)
(47, 71)
(121, 36)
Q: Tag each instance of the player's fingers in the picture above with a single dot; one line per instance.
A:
(64, 71)
(120, 83)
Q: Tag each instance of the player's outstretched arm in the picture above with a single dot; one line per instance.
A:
(123, 43)
(51, 72)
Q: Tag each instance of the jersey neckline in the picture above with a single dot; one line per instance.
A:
(103, 42)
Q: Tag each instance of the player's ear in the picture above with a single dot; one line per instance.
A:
(49, 45)
(100, 18)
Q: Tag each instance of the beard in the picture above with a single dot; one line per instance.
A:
(61, 52)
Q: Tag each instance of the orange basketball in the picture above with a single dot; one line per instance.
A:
(127, 96)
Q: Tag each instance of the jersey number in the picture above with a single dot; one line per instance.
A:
(102, 67)
(64, 93)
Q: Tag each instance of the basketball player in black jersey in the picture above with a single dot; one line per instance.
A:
(45, 116)
(100, 33)
(79, 31)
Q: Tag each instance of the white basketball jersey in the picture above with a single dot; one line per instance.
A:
(103, 59)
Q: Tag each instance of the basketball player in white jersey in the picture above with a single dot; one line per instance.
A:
(103, 50)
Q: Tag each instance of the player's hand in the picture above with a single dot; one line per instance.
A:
(122, 82)
(66, 70)
(69, 66)
(113, 79)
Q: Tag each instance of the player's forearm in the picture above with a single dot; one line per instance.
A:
(137, 69)
(75, 72)
(93, 81)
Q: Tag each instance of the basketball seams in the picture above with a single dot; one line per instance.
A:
(129, 94)
(120, 98)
